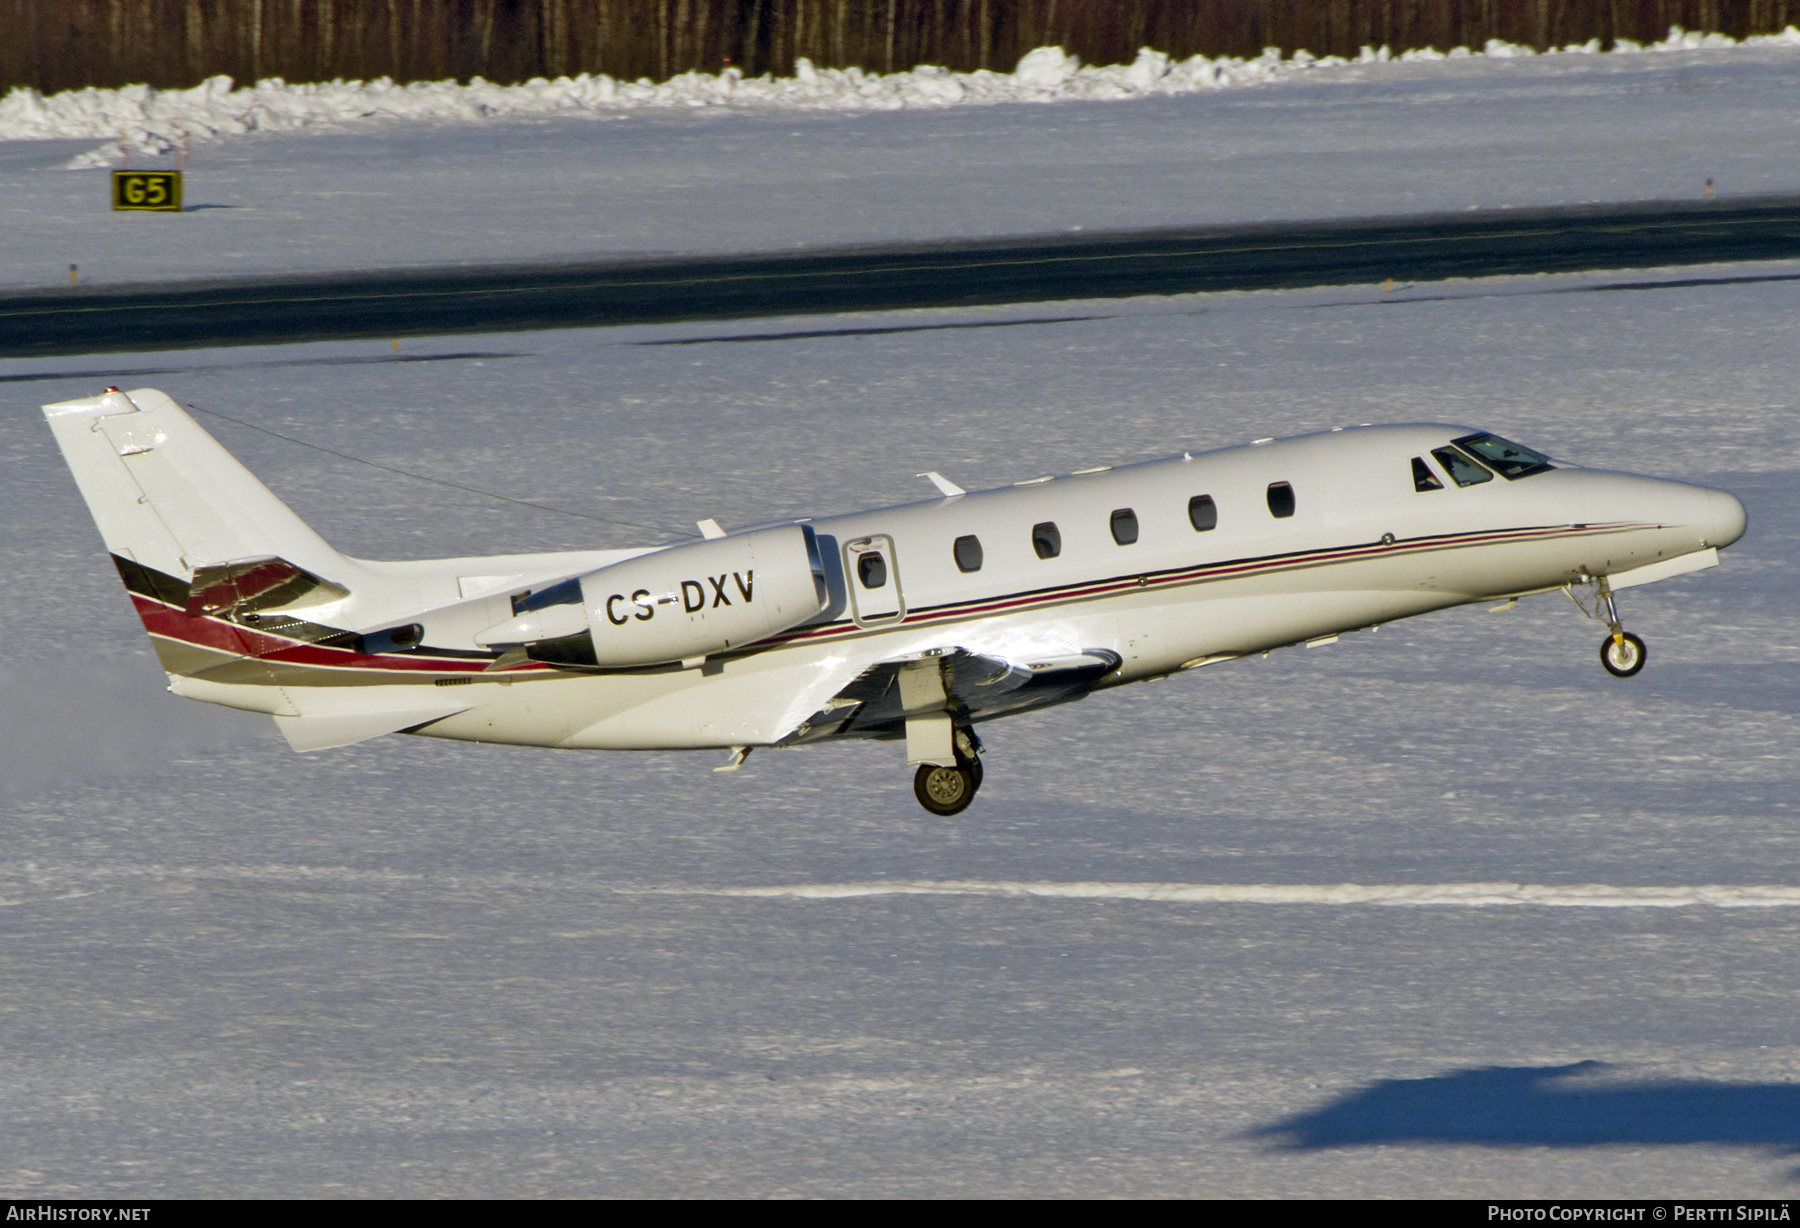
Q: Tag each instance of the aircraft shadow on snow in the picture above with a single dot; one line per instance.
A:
(1547, 1106)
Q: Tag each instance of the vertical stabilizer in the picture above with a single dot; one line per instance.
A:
(165, 494)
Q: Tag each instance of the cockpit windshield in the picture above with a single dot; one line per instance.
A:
(1462, 470)
(1509, 460)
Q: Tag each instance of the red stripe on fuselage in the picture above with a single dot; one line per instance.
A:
(1208, 572)
(173, 622)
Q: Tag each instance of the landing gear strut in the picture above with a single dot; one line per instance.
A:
(949, 790)
(1622, 653)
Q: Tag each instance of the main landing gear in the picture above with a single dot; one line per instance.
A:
(1622, 653)
(949, 790)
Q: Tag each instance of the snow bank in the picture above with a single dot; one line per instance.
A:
(139, 118)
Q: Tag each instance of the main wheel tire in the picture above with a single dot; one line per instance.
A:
(945, 790)
(1623, 654)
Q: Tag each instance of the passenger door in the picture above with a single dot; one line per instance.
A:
(872, 574)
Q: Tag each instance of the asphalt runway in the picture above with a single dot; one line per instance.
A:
(411, 968)
(1039, 268)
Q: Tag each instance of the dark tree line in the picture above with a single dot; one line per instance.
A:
(66, 44)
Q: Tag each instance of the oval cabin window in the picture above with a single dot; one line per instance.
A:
(871, 569)
(1124, 526)
(1281, 500)
(968, 553)
(1046, 539)
(1203, 513)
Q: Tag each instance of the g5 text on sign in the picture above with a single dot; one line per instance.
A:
(147, 191)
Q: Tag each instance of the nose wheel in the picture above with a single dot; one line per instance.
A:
(1622, 653)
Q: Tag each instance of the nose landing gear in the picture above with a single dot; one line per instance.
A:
(1622, 653)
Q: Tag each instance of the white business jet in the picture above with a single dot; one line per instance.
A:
(912, 623)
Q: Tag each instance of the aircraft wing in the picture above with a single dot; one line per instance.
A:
(975, 687)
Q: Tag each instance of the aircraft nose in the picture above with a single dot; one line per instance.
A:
(1726, 520)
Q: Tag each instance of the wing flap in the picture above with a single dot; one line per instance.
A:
(975, 686)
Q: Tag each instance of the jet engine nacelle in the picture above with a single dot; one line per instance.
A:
(692, 601)
(685, 602)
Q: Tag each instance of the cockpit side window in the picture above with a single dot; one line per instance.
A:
(1507, 459)
(1423, 478)
(1462, 470)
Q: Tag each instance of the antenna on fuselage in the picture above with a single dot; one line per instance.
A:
(946, 487)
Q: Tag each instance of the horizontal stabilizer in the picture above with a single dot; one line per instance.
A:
(253, 585)
(326, 730)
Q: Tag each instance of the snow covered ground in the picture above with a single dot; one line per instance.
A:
(410, 967)
(1352, 140)
(142, 119)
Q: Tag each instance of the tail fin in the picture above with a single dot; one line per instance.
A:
(167, 497)
(209, 554)
(202, 546)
